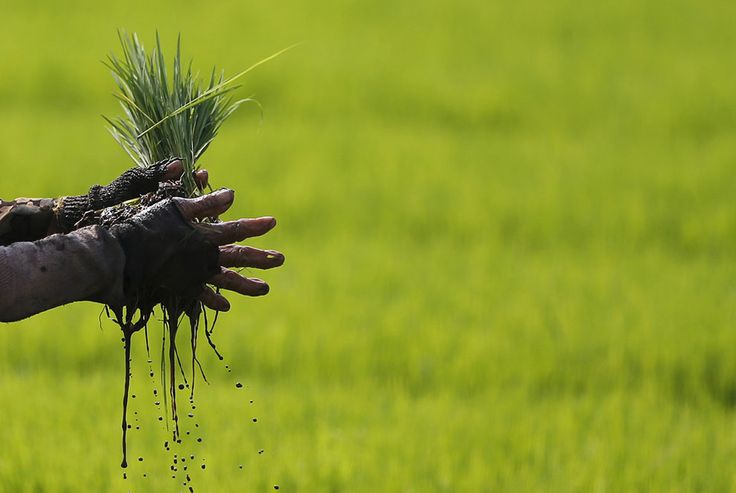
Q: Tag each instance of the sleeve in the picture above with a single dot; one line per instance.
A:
(27, 220)
(86, 265)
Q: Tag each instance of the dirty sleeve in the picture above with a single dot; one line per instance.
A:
(86, 265)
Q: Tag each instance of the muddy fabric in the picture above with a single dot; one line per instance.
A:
(165, 256)
(130, 185)
(36, 276)
(26, 219)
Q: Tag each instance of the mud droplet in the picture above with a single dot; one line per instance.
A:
(239, 385)
(140, 459)
(199, 439)
(261, 451)
(275, 486)
(125, 476)
(204, 466)
(191, 415)
(255, 420)
(181, 386)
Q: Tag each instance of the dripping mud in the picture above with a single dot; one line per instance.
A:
(136, 316)
(173, 374)
(177, 314)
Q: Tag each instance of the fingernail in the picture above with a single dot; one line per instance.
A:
(277, 256)
(270, 221)
(225, 193)
(264, 289)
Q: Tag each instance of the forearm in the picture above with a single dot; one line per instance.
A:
(36, 276)
(33, 219)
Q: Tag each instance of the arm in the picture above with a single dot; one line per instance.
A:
(33, 219)
(158, 248)
(84, 265)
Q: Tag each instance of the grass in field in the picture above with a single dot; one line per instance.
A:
(510, 240)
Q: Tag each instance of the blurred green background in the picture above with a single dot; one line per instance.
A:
(510, 235)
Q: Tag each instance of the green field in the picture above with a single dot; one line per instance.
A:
(510, 234)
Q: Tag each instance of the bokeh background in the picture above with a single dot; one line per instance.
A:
(510, 235)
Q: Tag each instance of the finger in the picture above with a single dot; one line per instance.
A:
(232, 281)
(173, 171)
(234, 231)
(210, 205)
(214, 300)
(202, 178)
(245, 256)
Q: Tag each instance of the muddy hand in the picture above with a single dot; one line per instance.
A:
(225, 235)
(130, 185)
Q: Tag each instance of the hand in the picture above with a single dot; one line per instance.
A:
(130, 185)
(168, 255)
(224, 235)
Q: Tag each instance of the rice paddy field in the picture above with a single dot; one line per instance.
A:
(510, 231)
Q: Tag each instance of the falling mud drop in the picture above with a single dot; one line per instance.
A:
(239, 385)
(126, 338)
